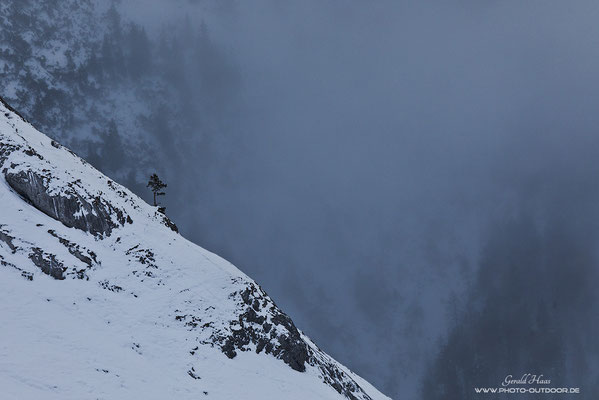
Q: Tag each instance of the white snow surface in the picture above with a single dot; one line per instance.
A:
(115, 335)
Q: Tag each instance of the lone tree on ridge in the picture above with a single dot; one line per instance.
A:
(156, 186)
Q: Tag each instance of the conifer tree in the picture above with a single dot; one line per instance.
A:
(156, 186)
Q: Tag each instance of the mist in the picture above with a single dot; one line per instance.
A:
(386, 148)
(401, 178)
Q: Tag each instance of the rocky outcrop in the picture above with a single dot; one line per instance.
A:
(25, 274)
(74, 211)
(264, 327)
(333, 376)
(170, 224)
(48, 263)
(84, 255)
(261, 326)
(6, 238)
(51, 265)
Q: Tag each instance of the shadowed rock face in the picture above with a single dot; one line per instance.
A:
(261, 330)
(262, 326)
(73, 211)
(48, 263)
(8, 240)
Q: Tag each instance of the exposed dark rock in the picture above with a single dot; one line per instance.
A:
(32, 153)
(190, 320)
(271, 331)
(8, 240)
(338, 379)
(47, 263)
(166, 221)
(24, 274)
(251, 316)
(192, 372)
(254, 326)
(27, 275)
(5, 150)
(74, 249)
(229, 348)
(261, 345)
(113, 288)
(72, 210)
(144, 257)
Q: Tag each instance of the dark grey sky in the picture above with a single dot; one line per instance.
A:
(379, 162)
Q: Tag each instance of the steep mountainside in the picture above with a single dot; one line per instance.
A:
(102, 298)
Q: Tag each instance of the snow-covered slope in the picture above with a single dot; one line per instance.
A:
(101, 298)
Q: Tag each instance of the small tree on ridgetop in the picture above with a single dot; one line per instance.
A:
(156, 186)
